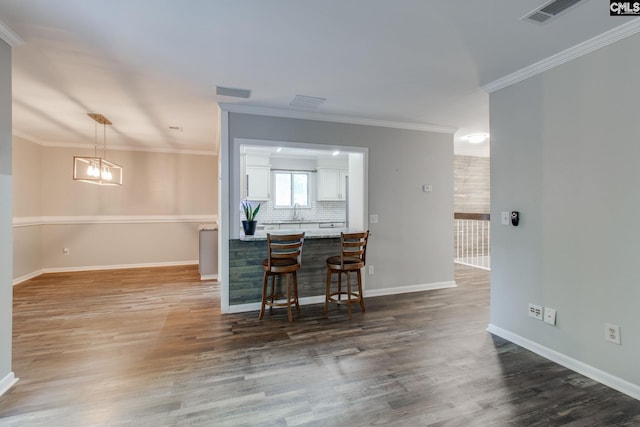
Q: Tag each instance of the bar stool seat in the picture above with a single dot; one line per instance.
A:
(352, 258)
(284, 258)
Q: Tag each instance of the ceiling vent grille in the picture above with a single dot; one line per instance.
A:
(304, 101)
(549, 10)
(231, 91)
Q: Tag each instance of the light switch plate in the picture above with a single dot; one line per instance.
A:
(505, 217)
(373, 219)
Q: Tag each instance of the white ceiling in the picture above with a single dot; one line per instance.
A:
(150, 64)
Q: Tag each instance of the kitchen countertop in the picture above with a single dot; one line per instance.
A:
(320, 233)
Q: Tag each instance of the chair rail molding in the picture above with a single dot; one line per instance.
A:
(111, 219)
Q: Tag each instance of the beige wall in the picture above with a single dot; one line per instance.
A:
(152, 219)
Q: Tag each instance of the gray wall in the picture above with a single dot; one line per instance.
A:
(6, 247)
(411, 244)
(564, 152)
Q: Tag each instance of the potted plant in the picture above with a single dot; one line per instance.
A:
(250, 212)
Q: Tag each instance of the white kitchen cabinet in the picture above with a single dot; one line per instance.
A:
(332, 184)
(258, 182)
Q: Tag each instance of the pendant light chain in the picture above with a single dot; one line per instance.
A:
(104, 136)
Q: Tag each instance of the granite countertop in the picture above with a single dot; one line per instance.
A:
(321, 233)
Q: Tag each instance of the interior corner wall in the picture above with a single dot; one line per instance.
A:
(564, 152)
(152, 219)
(412, 244)
(6, 239)
(27, 203)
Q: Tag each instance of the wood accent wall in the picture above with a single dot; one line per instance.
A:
(471, 191)
(245, 268)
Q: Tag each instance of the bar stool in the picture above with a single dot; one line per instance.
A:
(284, 257)
(352, 258)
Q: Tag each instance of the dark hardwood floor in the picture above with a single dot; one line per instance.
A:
(149, 347)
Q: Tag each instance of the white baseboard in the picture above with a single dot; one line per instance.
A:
(208, 277)
(26, 277)
(255, 306)
(595, 374)
(241, 308)
(409, 288)
(7, 382)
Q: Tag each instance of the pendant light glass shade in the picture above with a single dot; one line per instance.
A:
(97, 170)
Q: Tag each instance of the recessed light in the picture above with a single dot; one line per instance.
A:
(476, 138)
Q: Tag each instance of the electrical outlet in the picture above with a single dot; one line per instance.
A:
(371, 270)
(65, 251)
(535, 311)
(373, 219)
(550, 316)
(612, 333)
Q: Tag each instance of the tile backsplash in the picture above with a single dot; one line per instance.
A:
(319, 211)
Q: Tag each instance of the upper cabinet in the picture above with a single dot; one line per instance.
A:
(332, 180)
(257, 178)
(332, 184)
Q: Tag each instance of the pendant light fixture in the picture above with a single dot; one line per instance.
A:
(97, 170)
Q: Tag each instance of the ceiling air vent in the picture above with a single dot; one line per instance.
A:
(549, 10)
(304, 101)
(231, 91)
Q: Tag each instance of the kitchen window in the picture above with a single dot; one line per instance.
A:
(291, 188)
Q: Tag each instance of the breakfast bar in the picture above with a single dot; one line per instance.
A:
(247, 253)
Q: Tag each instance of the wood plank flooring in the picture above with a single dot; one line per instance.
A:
(149, 347)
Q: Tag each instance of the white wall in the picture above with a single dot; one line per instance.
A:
(6, 246)
(564, 152)
(412, 244)
(151, 220)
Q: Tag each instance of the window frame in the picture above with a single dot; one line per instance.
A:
(291, 173)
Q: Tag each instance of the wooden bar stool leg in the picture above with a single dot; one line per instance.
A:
(327, 293)
(265, 280)
(339, 285)
(273, 291)
(295, 290)
(349, 293)
(289, 314)
(360, 290)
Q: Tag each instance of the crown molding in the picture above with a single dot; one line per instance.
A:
(581, 49)
(80, 146)
(308, 115)
(10, 36)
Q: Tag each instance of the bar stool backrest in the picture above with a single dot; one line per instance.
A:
(284, 246)
(354, 248)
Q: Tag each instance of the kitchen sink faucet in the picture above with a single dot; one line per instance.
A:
(296, 214)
